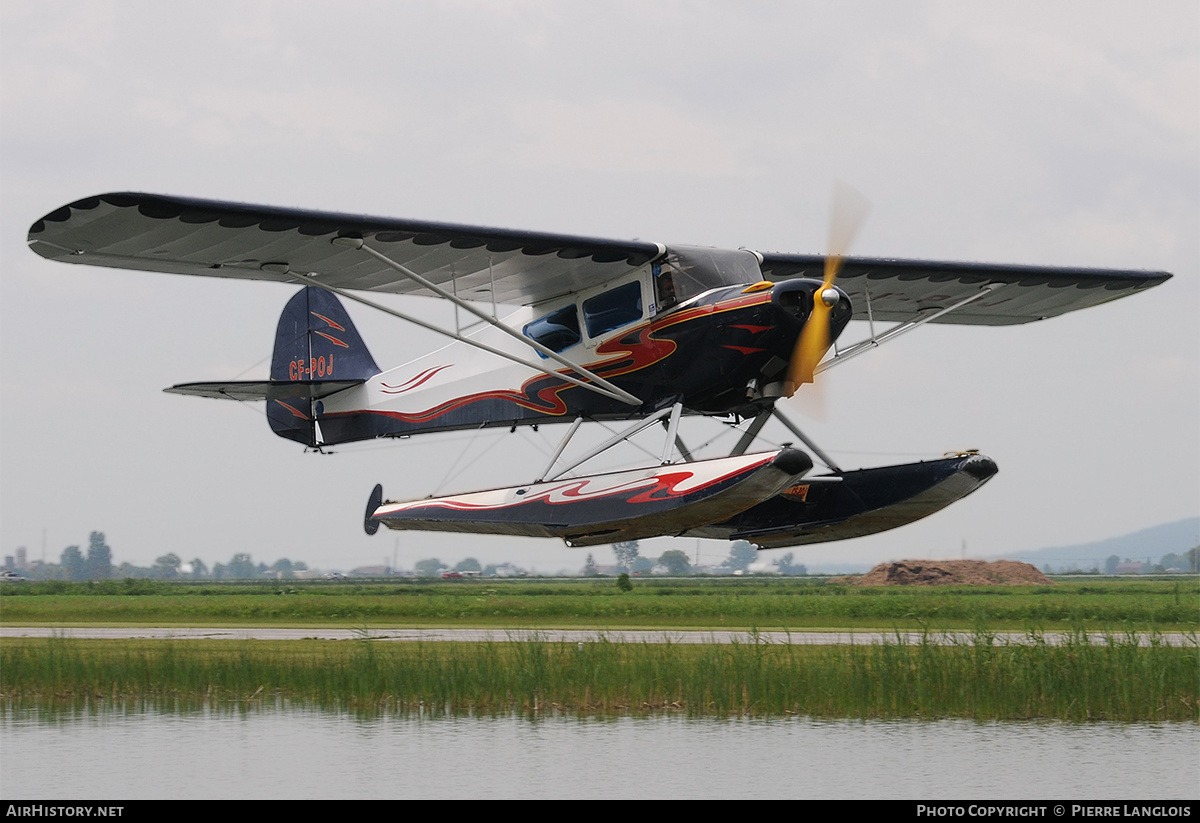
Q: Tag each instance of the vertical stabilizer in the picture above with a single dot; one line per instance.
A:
(315, 343)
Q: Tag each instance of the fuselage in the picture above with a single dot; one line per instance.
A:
(723, 351)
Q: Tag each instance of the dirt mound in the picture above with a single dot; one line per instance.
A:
(951, 573)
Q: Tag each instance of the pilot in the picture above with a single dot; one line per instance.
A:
(665, 287)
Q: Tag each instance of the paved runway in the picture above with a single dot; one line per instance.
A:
(812, 638)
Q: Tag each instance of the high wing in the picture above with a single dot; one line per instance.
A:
(202, 237)
(905, 290)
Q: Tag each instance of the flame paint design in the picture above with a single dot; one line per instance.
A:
(656, 488)
(412, 383)
(327, 320)
(331, 338)
(637, 349)
(293, 410)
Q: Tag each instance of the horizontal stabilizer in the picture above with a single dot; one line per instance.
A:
(318, 352)
(262, 389)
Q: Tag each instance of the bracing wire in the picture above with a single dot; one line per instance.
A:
(475, 434)
(469, 465)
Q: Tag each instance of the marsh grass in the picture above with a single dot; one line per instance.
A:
(1123, 678)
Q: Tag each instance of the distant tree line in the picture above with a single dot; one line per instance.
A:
(432, 567)
(97, 564)
(742, 555)
(1188, 561)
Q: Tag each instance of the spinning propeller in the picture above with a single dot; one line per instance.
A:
(847, 214)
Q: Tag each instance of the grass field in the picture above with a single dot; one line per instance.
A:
(746, 603)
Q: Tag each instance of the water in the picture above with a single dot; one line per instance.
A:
(296, 753)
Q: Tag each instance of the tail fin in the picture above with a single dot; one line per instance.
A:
(317, 349)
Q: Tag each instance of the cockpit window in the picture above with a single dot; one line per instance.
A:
(613, 308)
(688, 271)
(557, 331)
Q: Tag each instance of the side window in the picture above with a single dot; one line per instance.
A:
(614, 308)
(557, 331)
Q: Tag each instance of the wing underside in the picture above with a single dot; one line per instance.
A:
(200, 237)
(185, 236)
(907, 290)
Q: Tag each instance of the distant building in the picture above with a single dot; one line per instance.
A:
(509, 570)
(21, 560)
(371, 571)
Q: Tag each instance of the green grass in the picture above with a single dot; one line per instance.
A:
(1117, 605)
(1120, 680)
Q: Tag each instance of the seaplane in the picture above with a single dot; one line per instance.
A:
(576, 330)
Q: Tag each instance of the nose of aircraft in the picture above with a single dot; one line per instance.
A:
(799, 296)
(823, 310)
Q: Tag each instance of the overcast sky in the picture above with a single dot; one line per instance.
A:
(1062, 133)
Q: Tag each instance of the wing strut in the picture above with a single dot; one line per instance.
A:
(483, 347)
(683, 449)
(902, 328)
(794, 429)
(308, 281)
(761, 420)
(672, 433)
(600, 382)
(751, 433)
(644, 423)
(558, 452)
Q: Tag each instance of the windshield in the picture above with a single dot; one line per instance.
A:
(692, 270)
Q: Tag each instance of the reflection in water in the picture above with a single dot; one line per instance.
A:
(293, 753)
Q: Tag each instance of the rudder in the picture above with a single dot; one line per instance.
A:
(315, 343)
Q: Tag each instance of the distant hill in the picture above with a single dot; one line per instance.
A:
(1151, 544)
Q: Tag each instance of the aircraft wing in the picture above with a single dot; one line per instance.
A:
(186, 236)
(902, 290)
(202, 237)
